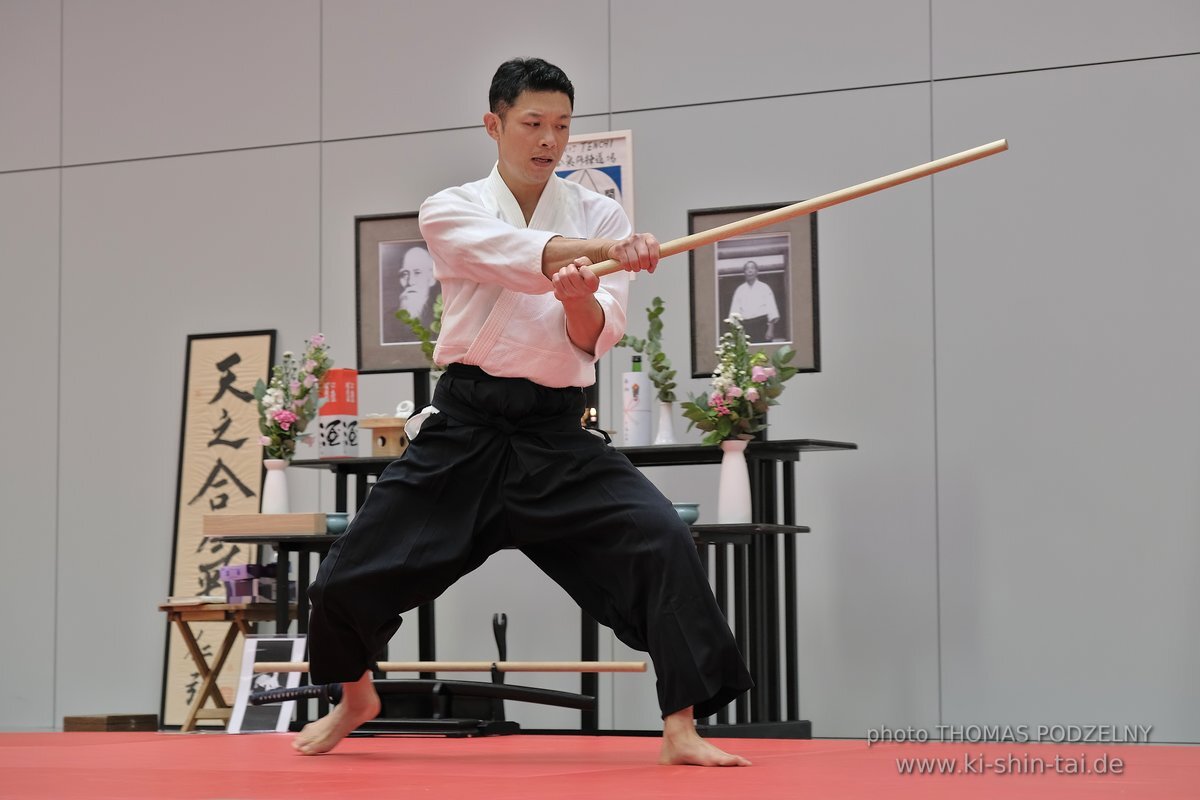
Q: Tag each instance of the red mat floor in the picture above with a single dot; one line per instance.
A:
(65, 766)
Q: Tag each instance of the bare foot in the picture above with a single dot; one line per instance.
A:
(682, 745)
(360, 703)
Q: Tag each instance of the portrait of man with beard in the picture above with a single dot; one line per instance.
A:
(406, 283)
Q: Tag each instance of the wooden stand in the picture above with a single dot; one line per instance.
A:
(387, 435)
(239, 616)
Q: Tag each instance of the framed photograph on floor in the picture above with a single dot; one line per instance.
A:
(768, 277)
(394, 272)
(275, 717)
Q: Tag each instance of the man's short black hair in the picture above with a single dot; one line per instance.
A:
(526, 74)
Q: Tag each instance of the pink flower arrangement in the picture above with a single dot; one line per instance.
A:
(284, 419)
(744, 385)
(290, 400)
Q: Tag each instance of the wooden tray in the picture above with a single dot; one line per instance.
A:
(233, 524)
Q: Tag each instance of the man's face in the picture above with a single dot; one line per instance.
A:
(416, 279)
(751, 270)
(531, 136)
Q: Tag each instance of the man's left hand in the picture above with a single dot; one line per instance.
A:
(575, 281)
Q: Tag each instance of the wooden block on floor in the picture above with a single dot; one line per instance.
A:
(251, 524)
(111, 722)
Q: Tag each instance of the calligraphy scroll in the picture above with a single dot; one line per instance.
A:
(220, 472)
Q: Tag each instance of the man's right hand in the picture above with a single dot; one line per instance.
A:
(637, 253)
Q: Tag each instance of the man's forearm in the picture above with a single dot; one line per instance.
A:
(561, 251)
(565, 262)
(585, 322)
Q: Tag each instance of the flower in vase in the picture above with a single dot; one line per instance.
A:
(290, 400)
(744, 385)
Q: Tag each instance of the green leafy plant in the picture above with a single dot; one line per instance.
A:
(744, 385)
(425, 335)
(659, 366)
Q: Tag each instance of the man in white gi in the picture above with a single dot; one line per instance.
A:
(503, 461)
(754, 302)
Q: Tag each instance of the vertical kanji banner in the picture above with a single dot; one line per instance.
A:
(220, 472)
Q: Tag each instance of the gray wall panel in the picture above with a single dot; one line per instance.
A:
(30, 53)
(1067, 296)
(975, 37)
(154, 251)
(144, 78)
(29, 469)
(1008, 343)
(876, 386)
(401, 67)
(669, 54)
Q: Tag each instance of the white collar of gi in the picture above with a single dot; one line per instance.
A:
(509, 210)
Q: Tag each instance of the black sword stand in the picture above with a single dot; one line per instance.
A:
(430, 706)
(424, 706)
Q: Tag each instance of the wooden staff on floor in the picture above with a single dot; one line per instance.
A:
(474, 666)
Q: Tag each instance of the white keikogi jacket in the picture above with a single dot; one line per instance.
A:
(499, 311)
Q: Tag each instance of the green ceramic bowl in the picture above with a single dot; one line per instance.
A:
(688, 512)
(336, 522)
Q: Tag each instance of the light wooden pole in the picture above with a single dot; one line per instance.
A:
(757, 221)
(474, 666)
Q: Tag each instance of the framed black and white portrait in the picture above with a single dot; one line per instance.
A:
(767, 277)
(394, 273)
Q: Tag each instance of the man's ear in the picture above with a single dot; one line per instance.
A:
(492, 122)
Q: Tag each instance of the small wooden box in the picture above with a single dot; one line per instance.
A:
(111, 722)
(251, 524)
(387, 435)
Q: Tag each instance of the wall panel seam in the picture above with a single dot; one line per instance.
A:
(937, 502)
(609, 113)
(1079, 65)
(58, 368)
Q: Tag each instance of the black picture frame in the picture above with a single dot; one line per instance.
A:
(385, 247)
(784, 258)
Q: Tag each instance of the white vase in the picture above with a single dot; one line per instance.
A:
(666, 424)
(733, 494)
(275, 491)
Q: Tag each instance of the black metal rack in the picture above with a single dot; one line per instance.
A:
(756, 595)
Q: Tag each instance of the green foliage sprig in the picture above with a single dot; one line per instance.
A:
(659, 366)
(425, 335)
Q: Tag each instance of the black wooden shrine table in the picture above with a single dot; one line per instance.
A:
(752, 591)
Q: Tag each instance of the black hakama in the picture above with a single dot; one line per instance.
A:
(506, 464)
